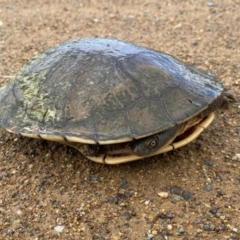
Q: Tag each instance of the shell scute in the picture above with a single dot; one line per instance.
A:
(178, 105)
(145, 116)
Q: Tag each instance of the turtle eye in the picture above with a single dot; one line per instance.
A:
(151, 143)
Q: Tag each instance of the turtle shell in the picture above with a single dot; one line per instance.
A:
(103, 91)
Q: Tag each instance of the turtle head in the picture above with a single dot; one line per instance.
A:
(148, 145)
(145, 146)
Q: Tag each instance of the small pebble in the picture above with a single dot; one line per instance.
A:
(95, 179)
(123, 204)
(186, 195)
(236, 157)
(218, 214)
(123, 186)
(133, 213)
(208, 187)
(222, 217)
(170, 215)
(163, 194)
(194, 43)
(126, 225)
(209, 162)
(164, 223)
(154, 232)
(169, 227)
(127, 216)
(235, 230)
(147, 202)
(181, 230)
(177, 198)
(211, 4)
(19, 212)
(176, 190)
(206, 227)
(128, 20)
(59, 229)
(149, 235)
(213, 210)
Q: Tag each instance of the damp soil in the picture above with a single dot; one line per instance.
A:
(50, 191)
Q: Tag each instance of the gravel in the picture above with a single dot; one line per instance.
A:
(49, 191)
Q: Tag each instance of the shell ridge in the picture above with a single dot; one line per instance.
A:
(137, 83)
(126, 118)
(161, 99)
(67, 92)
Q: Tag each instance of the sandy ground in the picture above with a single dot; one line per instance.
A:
(49, 191)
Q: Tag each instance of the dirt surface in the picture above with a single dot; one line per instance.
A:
(49, 191)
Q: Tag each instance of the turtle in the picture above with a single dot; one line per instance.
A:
(112, 100)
